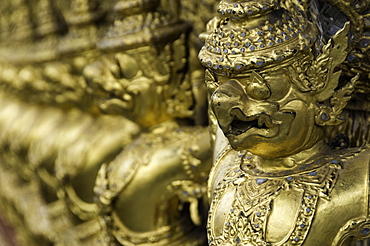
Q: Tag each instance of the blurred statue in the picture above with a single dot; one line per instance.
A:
(103, 126)
(152, 192)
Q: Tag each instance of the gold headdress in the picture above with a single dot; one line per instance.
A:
(253, 34)
(141, 25)
(83, 27)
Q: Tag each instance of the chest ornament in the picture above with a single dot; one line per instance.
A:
(247, 219)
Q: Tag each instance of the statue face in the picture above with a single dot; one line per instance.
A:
(264, 113)
(147, 107)
(127, 86)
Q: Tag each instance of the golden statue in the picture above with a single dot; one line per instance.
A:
(168, 164)
(104, 137)
(273, 86)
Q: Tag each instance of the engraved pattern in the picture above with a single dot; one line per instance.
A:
(255, 192)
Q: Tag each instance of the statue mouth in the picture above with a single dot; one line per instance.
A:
(243, 129)
(243, 123)
(238, 127)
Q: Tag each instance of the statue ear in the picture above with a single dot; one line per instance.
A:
(128, 65)
(328, 90)
(333, 54)
(329, 115)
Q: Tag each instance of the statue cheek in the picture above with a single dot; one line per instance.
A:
(304, 115)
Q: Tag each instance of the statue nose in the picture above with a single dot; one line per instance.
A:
(226, 98)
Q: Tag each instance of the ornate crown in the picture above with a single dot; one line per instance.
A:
(141, 25)
(252, 34)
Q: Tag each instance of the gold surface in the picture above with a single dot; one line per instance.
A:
(109, 135)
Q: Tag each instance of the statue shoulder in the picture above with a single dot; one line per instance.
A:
(358, 158)
(156, 169)
(186, 149)
(354, 180)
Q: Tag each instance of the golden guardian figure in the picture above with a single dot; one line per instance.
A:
(273, 87)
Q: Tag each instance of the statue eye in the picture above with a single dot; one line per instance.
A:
(258, 88)
(258, 91)
(279, 85)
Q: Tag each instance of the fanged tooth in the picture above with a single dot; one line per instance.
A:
(265, 120)
(269, 123)
(127, 97)
(275, 122)
(261, 121)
